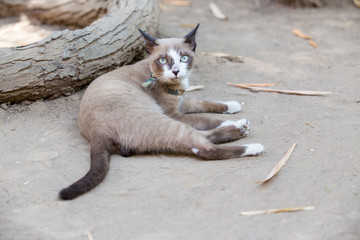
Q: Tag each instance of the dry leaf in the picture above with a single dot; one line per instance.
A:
(298, 33)
(187, 25)
(178, 3)
(294, 92)
(193, 88)
(233, 58)
(281, 210)
(357, 3)
(312, 43)
(217, 12)
(226, 56)
(279, 165)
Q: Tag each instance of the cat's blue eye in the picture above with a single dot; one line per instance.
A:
(162, 60)
(184, 59)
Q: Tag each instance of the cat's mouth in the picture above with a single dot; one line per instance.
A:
(175, 80)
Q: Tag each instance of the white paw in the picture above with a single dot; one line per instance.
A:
(242, 123)
(227, 123)
(253, 149)
(233, 107)
(195, 151)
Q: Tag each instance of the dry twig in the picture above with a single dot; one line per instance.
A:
(299, 34)
(279, 165)
(293, 92)
(258, 84)
(281, 210)
(312, 43)
(186, 25)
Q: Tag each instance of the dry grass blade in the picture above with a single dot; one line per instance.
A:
(194, 88)
(177, 2)
(299, 34)
(226, 56)
(192, 26)
(312, 43)
(293, 92)
(279, 165)
(217, 12)
(233, 58)
(281, 210)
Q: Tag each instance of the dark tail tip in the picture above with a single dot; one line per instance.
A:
(68, 194)
(97, 172)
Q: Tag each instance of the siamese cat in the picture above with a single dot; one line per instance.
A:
(141, 108)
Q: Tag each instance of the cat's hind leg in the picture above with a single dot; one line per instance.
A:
(120, 150)
(228, 152)
(164, 134)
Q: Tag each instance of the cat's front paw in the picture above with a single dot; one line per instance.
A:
(232, 107)
(254, 149)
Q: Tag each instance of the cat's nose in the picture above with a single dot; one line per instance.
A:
(175, 72)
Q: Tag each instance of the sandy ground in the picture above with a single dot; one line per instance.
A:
(180, 197)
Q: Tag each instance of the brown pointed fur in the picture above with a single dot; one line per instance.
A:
(118, 115)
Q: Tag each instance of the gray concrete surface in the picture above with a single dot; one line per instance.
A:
(180, 197)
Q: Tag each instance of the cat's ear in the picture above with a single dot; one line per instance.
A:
(150, 42)
(190, 38)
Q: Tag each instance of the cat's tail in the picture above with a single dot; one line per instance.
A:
(98, 170)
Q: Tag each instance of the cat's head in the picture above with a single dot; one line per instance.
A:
(171, 59)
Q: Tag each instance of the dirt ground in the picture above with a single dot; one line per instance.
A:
(181, 197)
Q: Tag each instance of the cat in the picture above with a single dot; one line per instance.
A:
(140, 108)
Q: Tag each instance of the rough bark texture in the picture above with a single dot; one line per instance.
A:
(67, 60)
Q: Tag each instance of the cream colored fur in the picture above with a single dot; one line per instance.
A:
(116, 106)
(120, 115)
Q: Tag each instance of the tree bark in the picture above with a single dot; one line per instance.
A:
(67, 60)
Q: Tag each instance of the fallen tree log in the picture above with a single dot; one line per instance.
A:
(67, 60)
